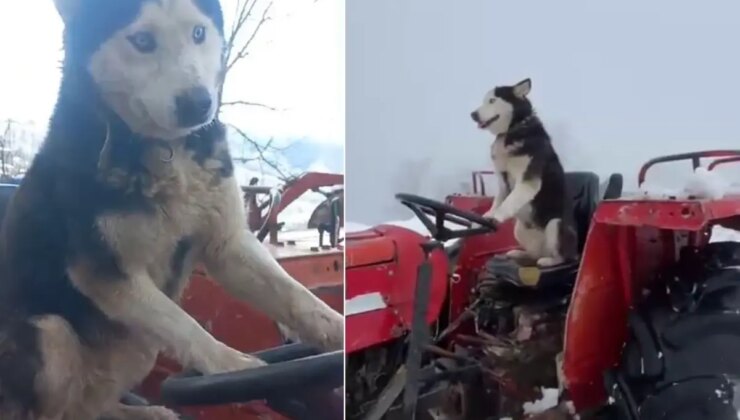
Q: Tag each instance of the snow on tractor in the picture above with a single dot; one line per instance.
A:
(299, 383)
(444, 326)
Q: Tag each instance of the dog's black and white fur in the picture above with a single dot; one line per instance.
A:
(531, 180)
(132, 187)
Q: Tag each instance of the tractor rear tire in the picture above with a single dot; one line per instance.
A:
(683, 350)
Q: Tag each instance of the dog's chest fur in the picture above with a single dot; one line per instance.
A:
(191, 204)
(510, 167)
(508, 159)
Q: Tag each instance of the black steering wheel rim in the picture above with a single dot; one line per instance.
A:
(443, 212)
(296, 374)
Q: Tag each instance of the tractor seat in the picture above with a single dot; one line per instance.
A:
(585, 192)
(611, 189)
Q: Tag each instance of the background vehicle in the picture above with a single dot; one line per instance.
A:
(280, 388)
(448, 323)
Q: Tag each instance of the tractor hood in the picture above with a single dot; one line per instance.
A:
(381, 268)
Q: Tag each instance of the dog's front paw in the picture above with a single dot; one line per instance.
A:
(549, 261)
(121, 411)
(158, 413)
(517, 254)
(494, 217)
(489, 216)
(227, 359)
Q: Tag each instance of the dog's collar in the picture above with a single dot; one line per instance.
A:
(521, 124)
(104, 156)
(169, 150)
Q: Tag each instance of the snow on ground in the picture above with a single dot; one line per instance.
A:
(723, 234)
(296, 215)
(549, 400)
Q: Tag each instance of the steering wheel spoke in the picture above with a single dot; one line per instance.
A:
(473, 224)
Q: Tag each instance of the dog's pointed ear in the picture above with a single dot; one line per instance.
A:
(522, 88)
(67, 9)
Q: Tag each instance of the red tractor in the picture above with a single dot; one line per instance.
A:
(445, 326)
(299, 383)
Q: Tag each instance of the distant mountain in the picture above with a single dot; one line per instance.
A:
(304, 153)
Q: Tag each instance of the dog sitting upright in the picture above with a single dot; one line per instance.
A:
(133, 187)
(531, 180)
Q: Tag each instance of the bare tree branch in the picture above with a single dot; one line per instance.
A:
(4, 146)
(246, 11)
(247, 103)
(250, 17)
(261, 154)
(14, 161)
(238, 42)
(242, 13)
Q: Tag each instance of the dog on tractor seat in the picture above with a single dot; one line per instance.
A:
(531, 180)
(132, 187)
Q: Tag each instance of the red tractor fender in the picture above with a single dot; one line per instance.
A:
(628, 243)
(381, 266)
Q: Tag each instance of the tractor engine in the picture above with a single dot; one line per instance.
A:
(518, 336)
(368, 373)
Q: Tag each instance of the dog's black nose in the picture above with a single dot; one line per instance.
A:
(474, 116)
(193, 107)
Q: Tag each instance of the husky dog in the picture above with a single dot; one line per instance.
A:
(132, 187)
(531, 180)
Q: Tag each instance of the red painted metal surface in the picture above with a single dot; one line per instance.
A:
(370, 271)
(474, 253)
(714, 164)
(385, 259)
(369, 250)
(475, 203)
(475, 250)
(628, 244)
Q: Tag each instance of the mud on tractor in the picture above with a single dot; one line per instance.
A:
(443, 326)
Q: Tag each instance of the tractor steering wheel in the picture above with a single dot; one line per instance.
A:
(298, 382)
(474, 224)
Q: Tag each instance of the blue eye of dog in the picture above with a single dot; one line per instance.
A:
(143, 41)
(199, 34)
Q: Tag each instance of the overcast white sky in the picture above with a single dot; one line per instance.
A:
(616, 83)
(296, 65)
